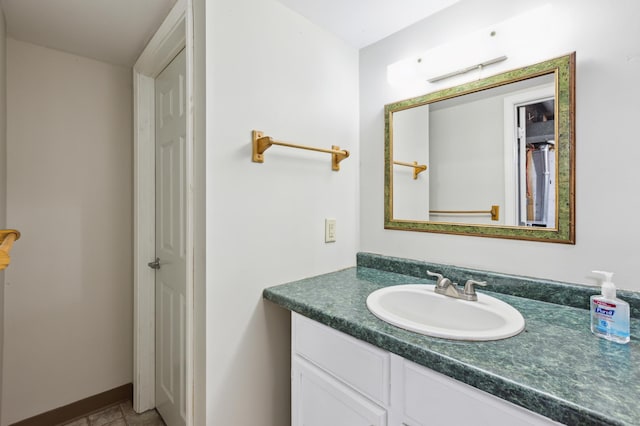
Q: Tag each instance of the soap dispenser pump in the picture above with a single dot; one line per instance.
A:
(609, 315)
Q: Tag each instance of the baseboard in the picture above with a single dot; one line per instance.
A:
(80, 408)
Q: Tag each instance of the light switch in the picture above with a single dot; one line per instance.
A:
(329, 230)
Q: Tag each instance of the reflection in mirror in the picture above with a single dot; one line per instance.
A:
(498, 156)
(494, 147)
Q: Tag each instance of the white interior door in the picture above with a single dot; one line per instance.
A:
(170, 304)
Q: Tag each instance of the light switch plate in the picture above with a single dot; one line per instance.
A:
(329, 230)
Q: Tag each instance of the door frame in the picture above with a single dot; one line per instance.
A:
(511, 160)
(175, 34)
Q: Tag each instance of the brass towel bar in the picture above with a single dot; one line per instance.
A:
(494, 212)
(261, 143)
(417, 168)
(7, 238)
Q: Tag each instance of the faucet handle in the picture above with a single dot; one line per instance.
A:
(434, 274)
(439, 277)
(470, 291)
(442, 283)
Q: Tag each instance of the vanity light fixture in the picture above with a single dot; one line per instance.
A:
(468, 69)
(471, 52)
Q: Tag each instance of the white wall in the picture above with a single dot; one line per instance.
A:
(3, 170)
(411, 143)
(68, 330)
(467, 157)
(270, 69)
(608, 64)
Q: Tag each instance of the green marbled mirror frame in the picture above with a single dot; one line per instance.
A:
(564, 69)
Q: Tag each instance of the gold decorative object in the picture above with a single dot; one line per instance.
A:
(261, 143)
(417, 168)
(494, 212)
(8, 237)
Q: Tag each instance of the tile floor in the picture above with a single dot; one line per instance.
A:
(119, 415)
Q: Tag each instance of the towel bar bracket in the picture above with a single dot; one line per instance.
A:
(260, 145)
(417, 168)
(7, 238)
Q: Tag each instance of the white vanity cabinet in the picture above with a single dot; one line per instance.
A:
(338, 380)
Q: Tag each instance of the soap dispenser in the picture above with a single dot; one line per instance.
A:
(609, 315)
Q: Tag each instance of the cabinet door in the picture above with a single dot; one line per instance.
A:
(430, 398)
(320, 400)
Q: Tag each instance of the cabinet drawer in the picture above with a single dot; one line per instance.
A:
(358, 364)
(430, 398)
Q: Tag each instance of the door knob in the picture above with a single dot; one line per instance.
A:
(155, 264)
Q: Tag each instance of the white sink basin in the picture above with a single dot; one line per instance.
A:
(416, 307)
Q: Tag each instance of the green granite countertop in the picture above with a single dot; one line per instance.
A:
(555, 367)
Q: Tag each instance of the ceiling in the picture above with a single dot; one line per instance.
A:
(363, 22)
(116, 31)
(113, 31)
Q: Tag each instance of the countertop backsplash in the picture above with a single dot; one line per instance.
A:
(557, 292)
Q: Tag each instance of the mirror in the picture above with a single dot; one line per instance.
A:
(493, 157)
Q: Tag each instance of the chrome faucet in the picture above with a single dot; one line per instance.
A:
(448, 288)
